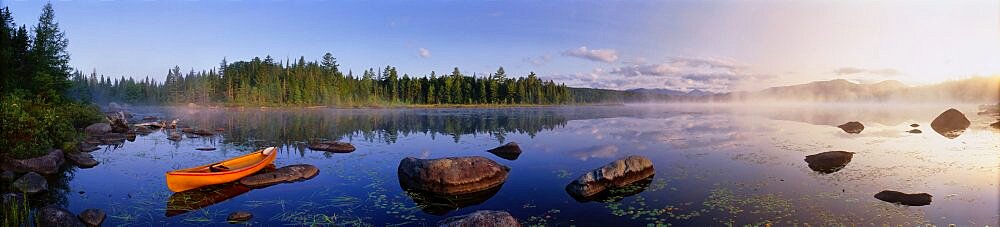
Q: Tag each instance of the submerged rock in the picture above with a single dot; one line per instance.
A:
(239, 216)
(509, 151)
(914, 125)
(292, 173)
(616, 174)
(915, 131)
(335, 146)
(829, 162)
(202, 132)
(97, 129)
(92, 217)
(950, 124)
(81, 159)
(451, 176)
(853, 127)
(919, 199)
(55, 216)
(31, 183)
(48, 164)
(205, 148)
(481, 218)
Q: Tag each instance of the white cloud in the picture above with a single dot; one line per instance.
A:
(602, 55)
(677, 73)
(424, 53)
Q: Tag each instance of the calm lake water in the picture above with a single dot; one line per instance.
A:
(715, 165)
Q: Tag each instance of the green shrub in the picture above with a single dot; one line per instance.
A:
(29, 129)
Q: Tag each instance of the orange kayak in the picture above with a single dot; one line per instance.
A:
(220, 172)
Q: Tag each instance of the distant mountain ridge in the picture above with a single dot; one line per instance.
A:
(664, 91)
(976, 89)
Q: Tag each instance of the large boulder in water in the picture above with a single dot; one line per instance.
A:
(292, 173)
(616, 174)
(96, 129)
(481, 218)
(48, 164)
(451, 176)
(829, 162)
(509, 151)
(31, 183)
(853, 127)
(335, 146)
(81, 159)
(950, 124)
(918, 199)
(55, 216)
(92, 217)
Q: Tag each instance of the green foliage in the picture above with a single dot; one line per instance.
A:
(39, 127)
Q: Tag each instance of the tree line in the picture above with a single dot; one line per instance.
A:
(269, 82)
(35, 113)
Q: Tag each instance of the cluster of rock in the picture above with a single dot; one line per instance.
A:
(951, 123)
(56, 216)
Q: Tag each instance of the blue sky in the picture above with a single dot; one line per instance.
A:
(716, 45)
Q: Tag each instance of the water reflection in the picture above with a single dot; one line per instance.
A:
(437, 204)
(616, 194)
(191, 200)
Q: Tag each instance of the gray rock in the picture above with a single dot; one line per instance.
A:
(829, 162)
(451, 176)
(853, 127)
(55, 216)
(616, 174)
(509, 151)
(31, 183)
(336, 147)
(48, 164)
(81, 159)
(92, 217)
(97, 129)
(918, 199)
(950, 124)
(481, 218)
(292, 173)
(239, 216)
